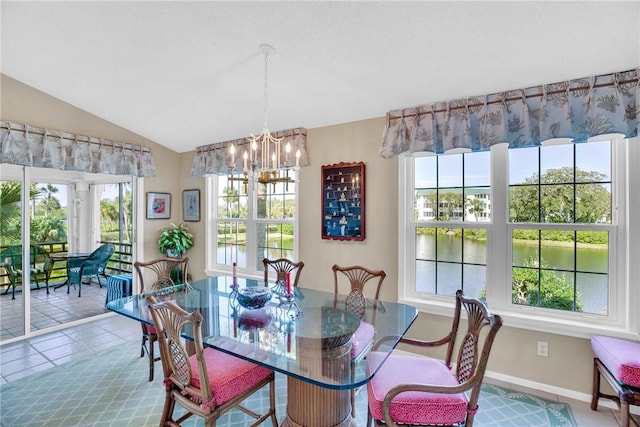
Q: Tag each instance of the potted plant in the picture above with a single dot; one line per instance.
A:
(175, 240)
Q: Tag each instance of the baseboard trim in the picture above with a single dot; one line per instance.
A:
(571, 394)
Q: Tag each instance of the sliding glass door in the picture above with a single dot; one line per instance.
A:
(66, 215)
(12, 310)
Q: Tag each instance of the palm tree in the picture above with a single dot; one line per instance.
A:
(477, 207)
(10, 205)
(48, 200)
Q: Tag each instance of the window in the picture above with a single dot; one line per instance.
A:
(537, 231)
(452, 210)
(252, 221)
(560, 220)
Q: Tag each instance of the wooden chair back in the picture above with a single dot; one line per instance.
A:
(357, 276)
(157, 274)
(161, 272)
(282, 266)
(473, 354)
(169, 320)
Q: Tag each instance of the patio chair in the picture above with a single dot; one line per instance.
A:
(282, 266)
(93, 265)
(40, 263)
(161, 273)
(420, 390)
(209, 383)
(362, 338)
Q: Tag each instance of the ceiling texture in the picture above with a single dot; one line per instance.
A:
(185, 74)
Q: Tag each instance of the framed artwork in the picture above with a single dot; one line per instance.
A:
(343, 201)
(191, 205)
(158, 205)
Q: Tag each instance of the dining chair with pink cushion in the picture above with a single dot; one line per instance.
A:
(420, 390)
(156, 274)
(618, 362)
(210, 382)
(351, 281)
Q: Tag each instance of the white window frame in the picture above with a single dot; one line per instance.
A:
(211, 265)
(622, 319)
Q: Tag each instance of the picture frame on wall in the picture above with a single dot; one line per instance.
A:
(158, 205)
(191, 205)
(343, 201)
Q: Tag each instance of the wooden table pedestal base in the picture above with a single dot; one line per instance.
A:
(309, 405)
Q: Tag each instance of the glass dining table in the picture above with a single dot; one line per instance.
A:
(306, 336)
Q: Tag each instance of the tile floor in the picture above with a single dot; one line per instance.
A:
(27, 357)
(50, 310)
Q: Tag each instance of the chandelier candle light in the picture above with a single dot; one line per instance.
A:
(268, 166)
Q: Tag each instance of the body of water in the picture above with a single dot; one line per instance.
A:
(591, 285)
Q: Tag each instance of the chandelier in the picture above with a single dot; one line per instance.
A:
(263, 159)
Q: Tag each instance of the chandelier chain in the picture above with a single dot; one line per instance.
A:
(266, 99)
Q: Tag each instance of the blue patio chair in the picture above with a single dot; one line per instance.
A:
(93, 265)
(40, 266)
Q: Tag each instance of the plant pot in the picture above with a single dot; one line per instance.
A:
(173, 254)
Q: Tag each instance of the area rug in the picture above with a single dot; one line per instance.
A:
(110, 388)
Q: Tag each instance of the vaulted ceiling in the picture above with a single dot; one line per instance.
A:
(185, 74)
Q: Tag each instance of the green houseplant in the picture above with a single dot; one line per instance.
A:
(175, 240)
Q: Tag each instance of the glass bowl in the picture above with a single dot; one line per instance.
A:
(254, 297)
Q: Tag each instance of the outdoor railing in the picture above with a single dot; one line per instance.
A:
(119, 263)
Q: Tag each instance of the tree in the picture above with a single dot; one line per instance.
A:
(47, 228)
(49, 201)
(10, 206)
(476, 207)
(557, 202)
(126, 214)
(448, 204)
(535, 285)
(108, 214)
(231, 200)
(116, 214)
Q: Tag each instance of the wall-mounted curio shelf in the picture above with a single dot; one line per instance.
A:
(343, 201)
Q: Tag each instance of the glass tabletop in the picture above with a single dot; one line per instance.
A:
(306, 336)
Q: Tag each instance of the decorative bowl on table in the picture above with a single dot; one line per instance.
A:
(254, 297)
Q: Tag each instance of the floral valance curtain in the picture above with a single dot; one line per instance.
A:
(31, 146)
(215, 159)
(576, 109)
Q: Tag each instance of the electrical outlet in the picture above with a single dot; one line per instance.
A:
(543, 349)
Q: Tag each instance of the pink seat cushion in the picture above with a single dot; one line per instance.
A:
(228, 375)
(414, 407)
(362, 338)
(621, 357)
(150, 329)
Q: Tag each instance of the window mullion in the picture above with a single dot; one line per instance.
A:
(498, 234)
(406, 227)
